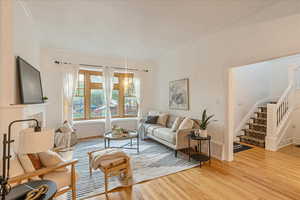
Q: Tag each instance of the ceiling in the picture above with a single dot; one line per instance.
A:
(144, 29)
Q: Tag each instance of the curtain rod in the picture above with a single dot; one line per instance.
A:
(100, 66)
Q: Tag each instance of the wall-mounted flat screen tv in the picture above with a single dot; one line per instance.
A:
(31, 91)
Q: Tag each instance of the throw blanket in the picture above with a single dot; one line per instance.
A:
(111, 155)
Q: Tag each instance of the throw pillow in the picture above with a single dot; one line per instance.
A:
(187, 123)
(27, 165)
(51, 159)
(66, 128)
(176, 124)
(162, 119)
(151, 120)
(35, 160)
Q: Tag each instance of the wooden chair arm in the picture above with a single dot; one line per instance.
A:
(42, 171)
(91, 152)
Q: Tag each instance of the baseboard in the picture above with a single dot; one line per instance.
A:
(296, 141)
(285, 142)
(89, 138)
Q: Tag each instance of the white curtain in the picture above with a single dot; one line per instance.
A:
(70, 77)
(108, 88)
(137, 87)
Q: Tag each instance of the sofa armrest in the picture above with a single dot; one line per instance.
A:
(42, 171)
(182, 138)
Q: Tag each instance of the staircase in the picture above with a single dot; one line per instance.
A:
(256, 130)
(268, 123)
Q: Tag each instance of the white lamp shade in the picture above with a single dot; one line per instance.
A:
(35, 142)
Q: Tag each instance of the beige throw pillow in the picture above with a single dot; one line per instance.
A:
(176, 124)
(187, 123)
(162, 119)
(51, 159)
(27, 165)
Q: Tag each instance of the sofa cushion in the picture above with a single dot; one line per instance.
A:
(149, 128)
(171, 120)
(176, 124)
(62, 179)
(165, 134)
(187, 123)
(162, 119)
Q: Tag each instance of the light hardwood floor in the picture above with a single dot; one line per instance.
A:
(255, 174)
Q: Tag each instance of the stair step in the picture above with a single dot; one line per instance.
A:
(256, 124)
(262, 108)
(252, 140)
(254, 131)
(255, 134)
(259, 118)
(260, 112)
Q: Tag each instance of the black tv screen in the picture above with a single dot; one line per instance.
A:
(31, 91)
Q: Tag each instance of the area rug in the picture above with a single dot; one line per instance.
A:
(238, 147)
(154, 160)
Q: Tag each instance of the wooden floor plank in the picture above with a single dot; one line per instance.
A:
(255, 174)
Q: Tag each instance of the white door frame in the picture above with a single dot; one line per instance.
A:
(230, 116)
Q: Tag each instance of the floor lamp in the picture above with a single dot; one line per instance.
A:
(27, 144)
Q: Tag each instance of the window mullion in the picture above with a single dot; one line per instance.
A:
(87, 95)
(121, 96)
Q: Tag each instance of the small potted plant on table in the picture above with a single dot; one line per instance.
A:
(205, 121)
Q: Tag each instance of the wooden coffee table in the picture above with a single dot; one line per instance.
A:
(130, 136)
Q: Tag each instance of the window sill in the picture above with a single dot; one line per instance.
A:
(93, 121)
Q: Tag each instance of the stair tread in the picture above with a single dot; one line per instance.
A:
(262, 106)
(256, 124)
(252, 138)
(260, 118)
(254, 131)
(260, 112)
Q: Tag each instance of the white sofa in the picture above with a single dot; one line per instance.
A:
(164, 135)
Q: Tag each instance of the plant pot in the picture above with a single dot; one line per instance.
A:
(203, 133)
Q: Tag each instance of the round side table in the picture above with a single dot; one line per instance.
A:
(198, 155)
(19, 192)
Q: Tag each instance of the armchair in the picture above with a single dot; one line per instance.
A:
(65, 180)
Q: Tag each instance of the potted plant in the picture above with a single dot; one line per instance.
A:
(205, 121)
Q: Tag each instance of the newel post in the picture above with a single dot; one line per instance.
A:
(271, 127)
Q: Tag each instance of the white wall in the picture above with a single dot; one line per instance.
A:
(52, 81)
(18, 37)
(25, 40)
(206, 62)
(252, 84)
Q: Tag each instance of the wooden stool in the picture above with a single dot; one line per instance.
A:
(114, 167)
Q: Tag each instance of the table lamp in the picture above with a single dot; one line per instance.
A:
(31, 141)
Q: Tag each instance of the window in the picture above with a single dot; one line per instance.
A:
(89, 99)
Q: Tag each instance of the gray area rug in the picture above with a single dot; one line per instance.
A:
(154, 160)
